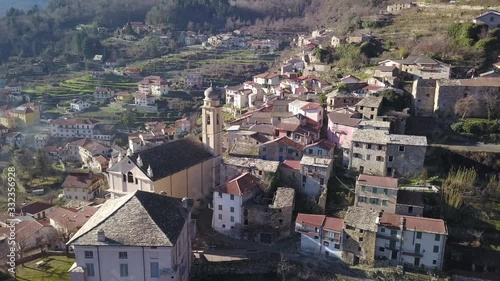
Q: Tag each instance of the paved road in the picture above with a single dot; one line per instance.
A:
(478, 147)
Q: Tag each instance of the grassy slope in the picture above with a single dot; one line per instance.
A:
(57, 270)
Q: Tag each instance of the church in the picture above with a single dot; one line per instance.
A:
(182, 168)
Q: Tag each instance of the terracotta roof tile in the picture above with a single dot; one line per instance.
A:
(312, 220)
(241, 185)
(292, 164)
(414, 223)
(385, 182)
(334, 224)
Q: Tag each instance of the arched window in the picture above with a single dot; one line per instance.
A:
(130, 177)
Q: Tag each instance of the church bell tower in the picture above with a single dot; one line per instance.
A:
(212, 120)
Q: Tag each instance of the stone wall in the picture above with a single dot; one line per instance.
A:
(407, 163)
(423, 97)
(359, 244)
(371, 166)
(256, 266)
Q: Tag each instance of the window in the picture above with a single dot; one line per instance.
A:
(368, 156)
(281, 149)
(384, 202)
(410, 209)
(231, 209)
(321, 181)
(90, 269)
(208, 119)
(380, 158)
(369, 146)
(232, 197)
(89, 254)
(122, 255)
(123, 270)
(386, 191)
(374, 190)
(220, 194)
(232, 219)
(390, 159)
(223, 226)
(394, 232)
(360, 239)
(382, 229)
(316, 237)
(217, 120)
(136, 181)
(326, 243)
(155, 269)
(124, 178)
(130, 177)
(281, 222)
(437, 237)
(336, 246)
(220, 207)
(381, 249)
(419, 235)
(356, 144)
(363, 188)
(401, 148)
(263, 148)
(436, 249)
(374, 201)
(310, 151)
(362, 199)
(220, 216)
(434, 261)
(304, 179)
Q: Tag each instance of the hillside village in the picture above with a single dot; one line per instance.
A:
(298, 163)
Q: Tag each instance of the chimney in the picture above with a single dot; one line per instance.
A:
(100, 236)
(139, 161)
(120, 157)
(150, 171)
(403, 223)
(129, 152)
(185, 202)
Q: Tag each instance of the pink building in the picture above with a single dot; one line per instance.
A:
(341, 128)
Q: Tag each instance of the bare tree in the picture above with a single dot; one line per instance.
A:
(466, 106)
(492, 102)
(65, 232)
(283, 267)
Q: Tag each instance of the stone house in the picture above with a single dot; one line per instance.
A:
(387, 72)
(397, 8)
(376, 193)
(103, 93)
(315, 173)
(423, 92)
(268, 223)
(410, 203)
(289, 173)
(337, 41)
(320, 235)
(322, 149)
(360, 236)
(448, 92)
(300, 128)
(281, 149)
(490, 18)
(375, 125)
(339, 99)
(421, 67)
(379, 153)
(308, 109)
(265, 170)
(369, 106)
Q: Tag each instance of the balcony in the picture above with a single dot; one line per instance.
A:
(305, 230)
(388, 237)
(391, 247)
(419, 253)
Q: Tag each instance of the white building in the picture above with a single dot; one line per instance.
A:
(41, 140)
(413, 241)
(320, 235)
(82, 186)
(315, 174)
(309, 109)
(144, 99)
(79, 105)
(228, 204)
(153, 85)
(152, 244)
(14, 88)
(81, 128)
(267, 78)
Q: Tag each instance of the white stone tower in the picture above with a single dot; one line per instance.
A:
(212, 120)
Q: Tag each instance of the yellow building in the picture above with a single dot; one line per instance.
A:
(21, 116)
